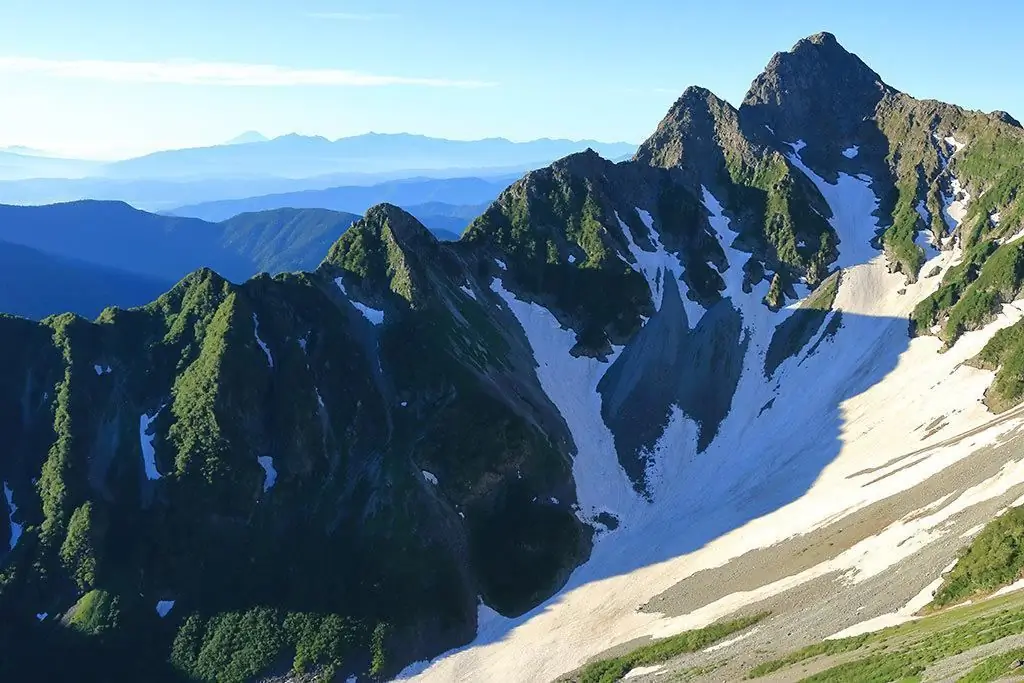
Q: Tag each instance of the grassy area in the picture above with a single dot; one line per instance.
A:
(822, 649)
(1004, 354)
(905, 652)
(611, 670)
(994, 559)
(994, 667)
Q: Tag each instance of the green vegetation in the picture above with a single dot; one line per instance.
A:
(995, 558)
(957, 279)
(1000, 281)
(899, 237)
(78, 551)
(378, 249)
(283, 240)
(823, 649)
(1004, 353)
(972, 292)
(782, 213)
(994, 667)
(96, 613)
(237, 646)
(908, 126)
(793, 333)
(904, 652)
(775, 299)
(611, 670)
(532, 226)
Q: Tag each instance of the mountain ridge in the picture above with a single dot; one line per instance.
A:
(679, 345)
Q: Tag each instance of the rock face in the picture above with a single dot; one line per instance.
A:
(817, 92)
(329, 472)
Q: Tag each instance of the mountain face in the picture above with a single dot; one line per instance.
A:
(115, 235)
(84, 256)
(298, 156)
(35, 285)
(627, 362)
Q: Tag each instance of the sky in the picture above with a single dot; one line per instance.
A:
(116, 78)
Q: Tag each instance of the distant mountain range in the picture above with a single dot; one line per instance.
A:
(298, 156)
(115, 235)
(87, 255)
(422, 197)
(21, 163)
(34, 284)
(247, 137)
(251, 155)
(167, 195)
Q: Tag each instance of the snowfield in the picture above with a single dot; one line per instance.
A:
(851, 420)
(146, 443)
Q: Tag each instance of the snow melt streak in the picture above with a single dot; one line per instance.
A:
(269, 473)
(146, 441)
(256, 333)
(12, 508)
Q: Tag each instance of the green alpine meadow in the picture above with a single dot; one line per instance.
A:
(745, 404)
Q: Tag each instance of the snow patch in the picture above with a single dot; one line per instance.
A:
(375, 316)
(1012, 588)
(922, 211)
(429, 477)
(164, 607)
(656, 265)
(832, 423)
(16, 528)
(731, 641)
(146, 441)
(302, 343)
(769, 129)
(973, 531)
(102, 369)
(256, 333)
(500, 264)
(952, 142)
(571, 384)
(907, 612)
(1015, 236)
(269, 472)
(954, 206)
(851, 152)
(926, 240)
(572, 258)
(643, 671)
(468, 292)
(41, 616)
(995, 217)
(852, 202)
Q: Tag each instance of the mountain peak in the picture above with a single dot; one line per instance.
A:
(690, 130)
(818, 88)
(821, 38)
(247, 137)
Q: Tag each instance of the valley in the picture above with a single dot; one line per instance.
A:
(732, 408)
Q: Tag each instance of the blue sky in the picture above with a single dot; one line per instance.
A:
(119, 77)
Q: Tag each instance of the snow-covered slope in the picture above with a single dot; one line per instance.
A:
(860, 414)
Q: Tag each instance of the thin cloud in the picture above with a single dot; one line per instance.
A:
(216, 73)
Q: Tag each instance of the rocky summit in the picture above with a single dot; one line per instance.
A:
(795, 318)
